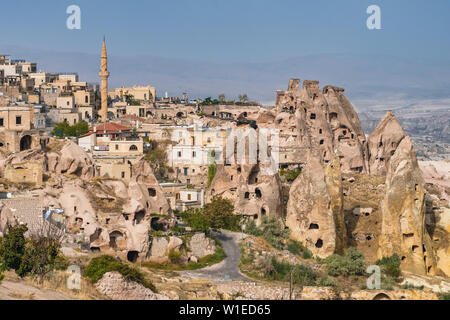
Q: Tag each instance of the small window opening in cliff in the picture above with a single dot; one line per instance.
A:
(126, 216)
(151, 192)
(138, 216)
(239, 169)
(319, 243)
(107, 220)
(313, 226)
(344, 132)
(416, 187)
(367, 214)
(428, 269)
(132, 256)
(322, 141)
(423, 248)
(380, 144)
(258, 193)
(312, 116)
(113, 237)
(231, 178)
(414, 248)
(381, 159)
(403, 258)
(369, 237)
(353, 136)
(95, 249)
(263, 211)
(392, 152)
(320, 131)
(255, 217)
(291, 108)
(333, 115)
(247, 195)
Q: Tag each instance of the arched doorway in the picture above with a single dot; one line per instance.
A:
(25, 143)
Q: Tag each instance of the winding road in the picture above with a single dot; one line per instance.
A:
(228, 269)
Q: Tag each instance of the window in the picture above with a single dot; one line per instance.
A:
(193, 154)
(1, 122)
(117, 147)
(321, 141)
(189, 196)
(86, 99)
(209, 139)
(123, 174)
(312, 116)
(68, 103)
(133, 147)
(179, 154)
(18, 120)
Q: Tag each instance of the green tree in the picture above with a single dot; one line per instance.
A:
(12, 248)
(221, 98)
(196, 220)
(243, 98)
(352, 263)
(219, 213)
(63, 129)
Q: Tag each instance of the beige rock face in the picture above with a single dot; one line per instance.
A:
(383, 142)
(253, 192)
(320, 120)
(403, 214)
(201, 246)
(113, 285)
(315, 208)
(107, 215)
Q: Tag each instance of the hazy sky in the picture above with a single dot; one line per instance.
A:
(231, 30)
(208, 47)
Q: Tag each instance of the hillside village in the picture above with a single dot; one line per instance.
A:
(125, 173)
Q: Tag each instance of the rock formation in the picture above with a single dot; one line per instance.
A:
(403, 213)
(315, 208)
(108, 215)
(320, 120)
(114, 286)
(253, 192)
(383, 142)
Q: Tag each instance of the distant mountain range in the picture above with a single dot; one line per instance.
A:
(368, 79)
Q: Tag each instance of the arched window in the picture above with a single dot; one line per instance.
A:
(133, 147)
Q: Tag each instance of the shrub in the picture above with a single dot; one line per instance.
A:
(12, 248)
(326, 281)
(301, 274)
(40, 257)
(290, 175)
(294, 247)
(390, 265)
(444, 296)
(212, 168)
(175, 256)
(351, 264)
(99, 266)
(298, 248)
(2, 276)
(271, 230)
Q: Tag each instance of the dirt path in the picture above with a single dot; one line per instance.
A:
(12, 290)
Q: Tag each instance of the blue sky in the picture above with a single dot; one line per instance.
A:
(231, 30)
(208, 47)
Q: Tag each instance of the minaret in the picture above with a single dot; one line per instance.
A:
(104, 74)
